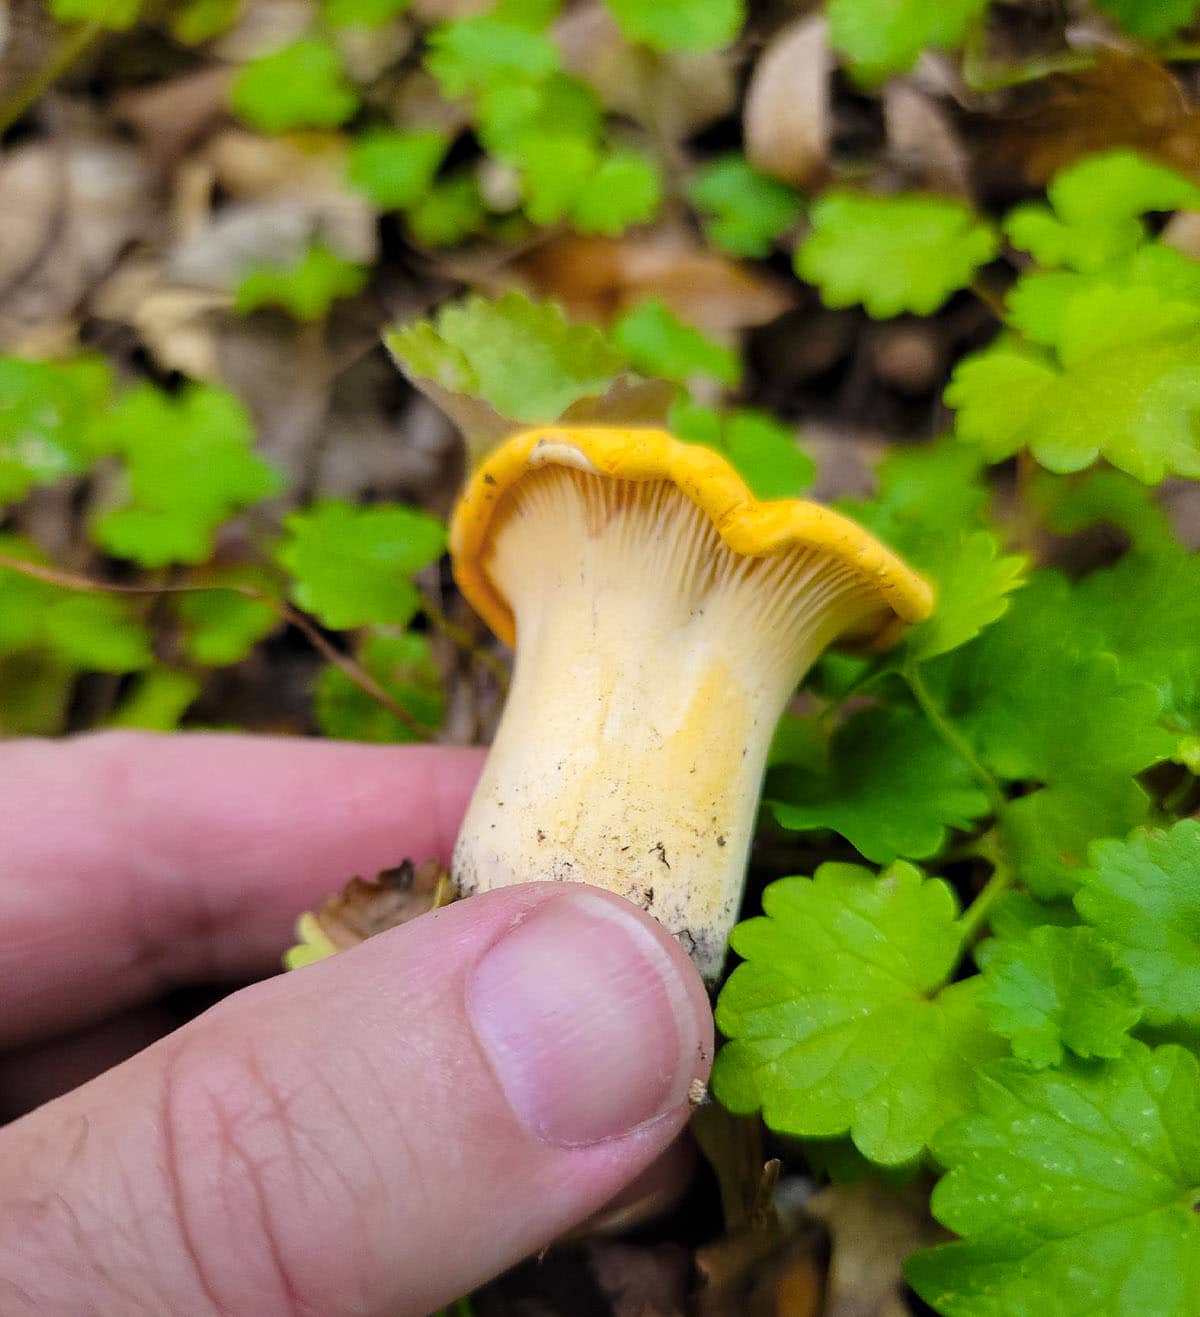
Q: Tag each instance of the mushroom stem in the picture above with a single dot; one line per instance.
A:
(652, 664)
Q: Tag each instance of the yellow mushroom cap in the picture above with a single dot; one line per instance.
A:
(748, 526)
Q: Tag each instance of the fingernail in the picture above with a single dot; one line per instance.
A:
(586, 1020)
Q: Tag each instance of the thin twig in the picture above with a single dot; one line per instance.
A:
(460, 636)
(348, 666)
(70, 47)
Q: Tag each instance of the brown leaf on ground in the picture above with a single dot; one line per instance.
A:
(673, 93)
(362, 909)
(641, 1281)
(70, 207)
(873, 1228)
(598, 278)
(1123, 100)
(923, 144)
(169, 117)
(770, 1272)
(786, 122)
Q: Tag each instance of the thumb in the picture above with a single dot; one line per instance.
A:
(377, 1133)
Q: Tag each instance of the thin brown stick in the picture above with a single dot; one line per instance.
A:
(460, 636)
(350, 668)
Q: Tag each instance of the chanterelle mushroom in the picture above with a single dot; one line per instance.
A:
(662, 618)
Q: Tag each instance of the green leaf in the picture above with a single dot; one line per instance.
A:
(658, 343)
(299, 86)
(1095, 209)
(892, 789)
(1151, 19)
(839, 1020)
(221, 626)
(1055, 989)
(1048, 832)
(1127, 387)
(96, 632)
(450, 211)
(512, 112)
(892, 254)
(625, 189)
(930, 508)
(157, 701)
(1143, 897)
(1039, 301)
(1118, 184)
(23, 600)
(973, 586)
(554, 171)
(197, 21)
(189, 467)
(680, 24)
(403, 665)
(932, 491)
(351, 565)
(46, 413)
(1089, 245)
(35, 694)
(879, 37)
(307, 289)
(1075, 1190)
(1147, 608)
(1040, 670)
(115, 15)
(744, 211)
(471, 54)
(363, 13)
(764, 452)
(395, 169)
(523, 358)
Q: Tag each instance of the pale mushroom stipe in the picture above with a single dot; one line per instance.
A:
(661, 617)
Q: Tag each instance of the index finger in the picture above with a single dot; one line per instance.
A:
(135, 862)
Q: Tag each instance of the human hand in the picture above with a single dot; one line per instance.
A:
(376, 1133)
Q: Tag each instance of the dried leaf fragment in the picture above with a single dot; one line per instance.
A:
(362, 909)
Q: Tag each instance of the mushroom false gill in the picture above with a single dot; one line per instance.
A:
(662, 618)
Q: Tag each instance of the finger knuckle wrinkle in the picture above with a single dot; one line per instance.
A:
(236, 1163)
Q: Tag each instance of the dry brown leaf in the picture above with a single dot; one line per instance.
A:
(922, 142)
(598, 278)
(641, 1281)
(263, 26)
(873, 1228)
(672, 93)
(775, 1272)
(305, 169)
(362, 909)
(368, 52)
(1126, 99)
(69, 210)
(173, 322)
(1183, 233)
(169, 117)
(786, 120)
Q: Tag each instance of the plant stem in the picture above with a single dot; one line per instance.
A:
(975, 917)
(992, 848)
(954, 739)
(348, 666)
(71, 45)
(993, 300)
